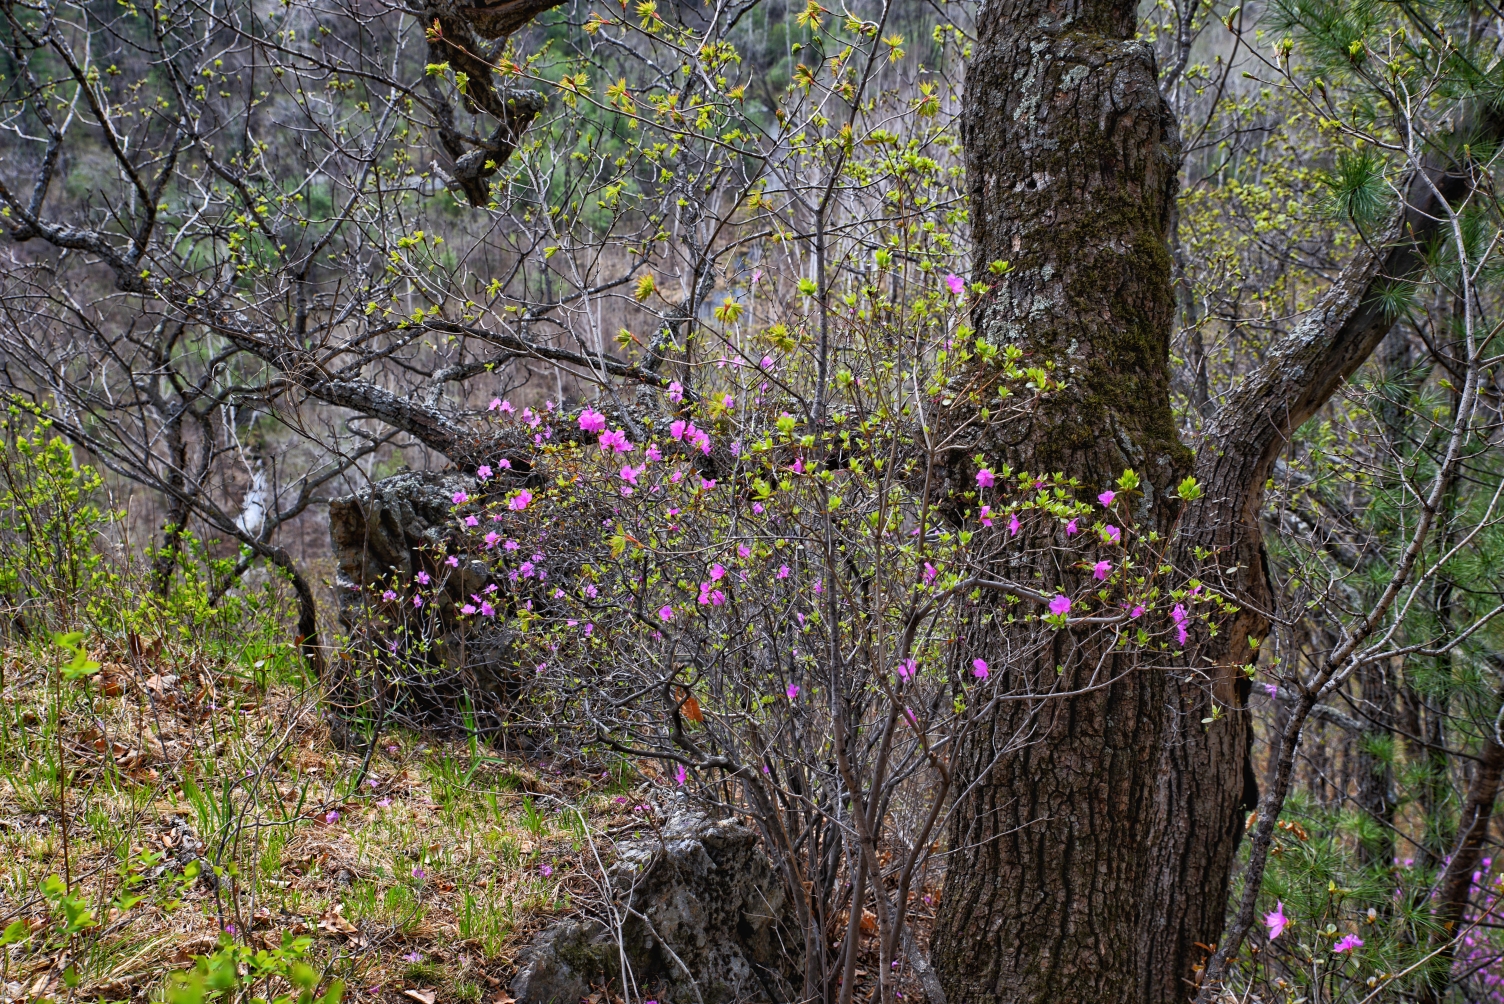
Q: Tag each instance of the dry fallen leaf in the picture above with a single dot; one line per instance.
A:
(421, 996)
(690, 706)
(333, 922)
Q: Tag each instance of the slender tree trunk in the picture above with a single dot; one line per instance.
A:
(165, 561)
(1456, 884)
(1375, 781)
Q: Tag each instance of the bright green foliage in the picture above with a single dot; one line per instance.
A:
(52, 570)
(236, 973)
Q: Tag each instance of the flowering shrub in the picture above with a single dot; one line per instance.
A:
(752, 579)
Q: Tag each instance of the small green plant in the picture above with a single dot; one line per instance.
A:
(428, 974)
(234, 972)
(71, 909)
(486, 920)
(532, 819)
(80, 667)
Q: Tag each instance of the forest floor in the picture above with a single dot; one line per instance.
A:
(207, 807)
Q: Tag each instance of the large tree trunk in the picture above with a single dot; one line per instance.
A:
(1093, 863)
(1072, 157)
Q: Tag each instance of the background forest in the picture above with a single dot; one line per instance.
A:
(690, 338)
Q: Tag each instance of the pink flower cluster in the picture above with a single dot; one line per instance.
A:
(686, 431)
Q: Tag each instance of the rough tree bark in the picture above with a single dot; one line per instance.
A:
(1094, 863)
(1072, 158)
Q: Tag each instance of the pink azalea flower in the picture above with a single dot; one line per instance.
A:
(986, 515)
(1106, 497)
(1179, 616)
(665, 613)
(472, 520)
(520, 500)
(955, 284)
(423, 578)
(417, 601)
(510, 545)
(680, 774)
(798, 465)
(985, 478)
(1348, 943)
(717, 572)
(389, 595)
(468, 609)
(743, 551)
(616, 440)
(486, 610)
(1137, 611)
(495, 403)
(675, 391)
(459, 498)
(783, 571)
(1013, 525)
(504, 463)
(506, 407)
(628, 475)
(491, 539)
(1101, 569)
(979, 668)
(332, 817)
(1060, 605)
(1277, 921)
(654, 454)
(1070, 528)
(757, 508)
(452, 561)
(483, 471)
(792, 691)
(767, 362)
(592, 421)
(930, 571)
(546, 870)
(1112, 534)
(908, 668)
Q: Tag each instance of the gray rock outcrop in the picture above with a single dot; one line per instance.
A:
(702, 919)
